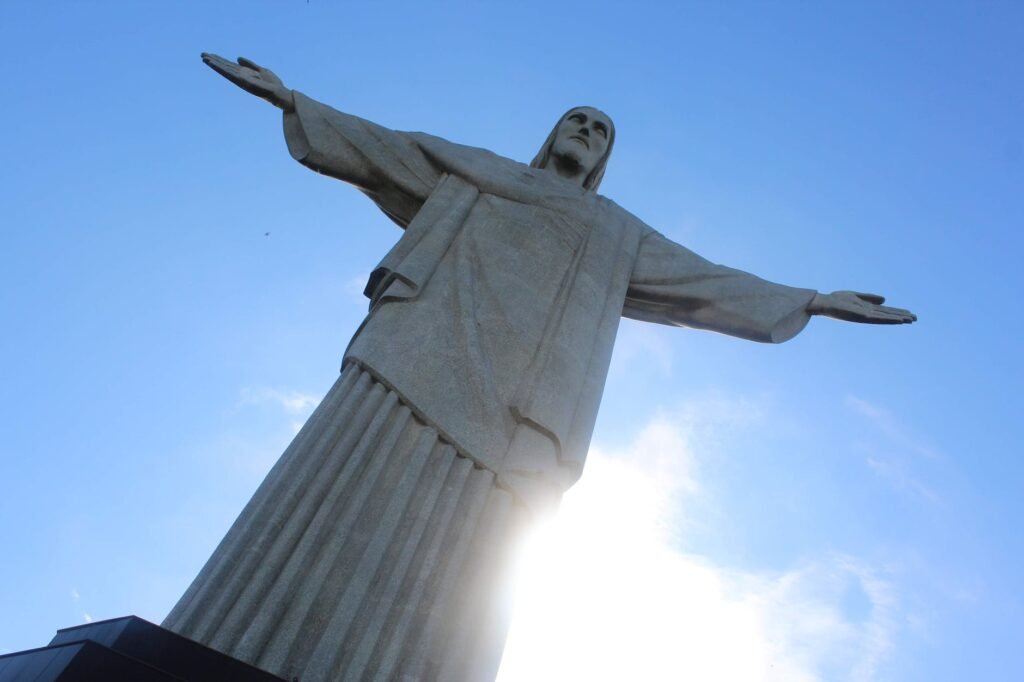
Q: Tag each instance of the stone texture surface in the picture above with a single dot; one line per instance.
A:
(496, 312)
(372, 551)
(376, 548)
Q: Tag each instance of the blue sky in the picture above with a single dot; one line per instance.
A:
(845, 506)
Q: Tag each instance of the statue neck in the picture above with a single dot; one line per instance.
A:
(567, 167)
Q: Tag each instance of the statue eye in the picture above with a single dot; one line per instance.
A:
(578, 118)
(599, 127)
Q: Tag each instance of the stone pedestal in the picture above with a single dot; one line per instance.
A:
(373, 551)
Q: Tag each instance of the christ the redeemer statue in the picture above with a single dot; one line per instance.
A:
(379, 545)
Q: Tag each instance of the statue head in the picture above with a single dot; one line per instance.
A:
(581, 140)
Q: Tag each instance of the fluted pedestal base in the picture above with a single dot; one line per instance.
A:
(372, 551)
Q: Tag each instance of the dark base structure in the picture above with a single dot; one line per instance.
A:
(127, 648)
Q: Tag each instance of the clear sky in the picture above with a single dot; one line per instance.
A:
(176, 293)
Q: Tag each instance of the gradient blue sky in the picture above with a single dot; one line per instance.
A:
(159, 347)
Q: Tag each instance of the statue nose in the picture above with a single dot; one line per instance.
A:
(584, 131)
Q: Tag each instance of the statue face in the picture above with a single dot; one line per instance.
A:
(582, 138)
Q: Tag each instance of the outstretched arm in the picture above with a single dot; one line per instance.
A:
(672, 285)
(389, 166)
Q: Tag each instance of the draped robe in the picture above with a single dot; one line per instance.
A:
(379, 546)
(495, 314)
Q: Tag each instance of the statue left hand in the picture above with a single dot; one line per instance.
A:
(853, 306)
(252, 78)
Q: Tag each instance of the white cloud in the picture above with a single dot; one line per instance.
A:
(293, 402)
(609, 594)
(354, 290)
(895, 472)
(257, 454)
(899, 454)
(645, 342)
(885, 422)
(74, 595)
(86, 618)
(831, 618)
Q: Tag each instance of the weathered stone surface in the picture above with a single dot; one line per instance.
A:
(490, 331)
(372, 551)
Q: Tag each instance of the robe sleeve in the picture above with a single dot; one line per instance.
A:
(389, 166)
(672, 285)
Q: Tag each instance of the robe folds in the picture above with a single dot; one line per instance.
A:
(382, 544)
(495, 314)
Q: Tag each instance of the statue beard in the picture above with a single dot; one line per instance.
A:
(569, 162)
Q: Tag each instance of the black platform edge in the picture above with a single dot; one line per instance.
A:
(126, 648)
(81, 661)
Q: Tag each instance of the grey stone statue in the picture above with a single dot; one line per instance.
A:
(378, 546)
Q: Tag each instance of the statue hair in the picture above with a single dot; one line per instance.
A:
(593, 179)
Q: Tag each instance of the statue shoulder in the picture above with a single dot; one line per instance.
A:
(612, 211)
(463, 155)
(493, 173)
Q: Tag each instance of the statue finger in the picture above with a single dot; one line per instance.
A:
(211, 59)
(250, 63)
(902, 313)
(884, 317)
(222, 66)
(897, 311)
(874, 299)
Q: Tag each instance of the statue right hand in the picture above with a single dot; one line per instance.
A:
(252, 78)
(853, 306)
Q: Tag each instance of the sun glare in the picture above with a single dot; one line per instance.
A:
(606, 591)
(603, 595)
